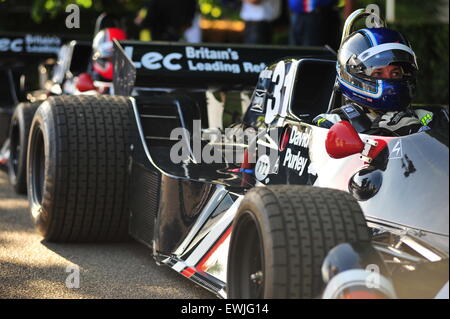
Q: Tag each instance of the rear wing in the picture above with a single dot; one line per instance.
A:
(29, 49)
(186, 66)
(29, 45)
(22, 54)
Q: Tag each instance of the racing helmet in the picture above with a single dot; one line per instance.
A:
(368, 50)
(102, 49)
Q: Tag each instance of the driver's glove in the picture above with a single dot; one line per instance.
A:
(402, 123)
(326, 120)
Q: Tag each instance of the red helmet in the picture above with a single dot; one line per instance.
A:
(102, 49)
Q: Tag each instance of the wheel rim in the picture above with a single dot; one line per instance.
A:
(15, 147)
(248, 269)
(37, 167)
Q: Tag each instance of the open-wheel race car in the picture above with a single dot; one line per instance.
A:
(292, 211)
(73, 68)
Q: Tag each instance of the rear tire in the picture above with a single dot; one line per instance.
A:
(18, 137)
(281, 235)
(78, 177)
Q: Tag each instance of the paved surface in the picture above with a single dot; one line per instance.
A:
(31, 268)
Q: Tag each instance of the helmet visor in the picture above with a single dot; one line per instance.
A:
(394, 64)
(104, 50)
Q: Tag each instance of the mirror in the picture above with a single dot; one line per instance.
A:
(343, 140)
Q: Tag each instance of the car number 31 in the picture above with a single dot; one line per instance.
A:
(277, 104)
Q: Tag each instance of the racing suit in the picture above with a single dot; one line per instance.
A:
(367, 121)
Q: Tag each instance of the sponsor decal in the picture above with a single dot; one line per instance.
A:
(208, 54)
(295, 161)
(299, 138)
(195, 59)
(262, 168)
(258, 101)
(397, 151)
(296, 157)
(31, 44)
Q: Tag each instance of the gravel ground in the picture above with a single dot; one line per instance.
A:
(32, 268)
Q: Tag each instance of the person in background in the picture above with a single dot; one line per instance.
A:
(314, 23)
(259, 16)
(194, 33)
(167, 19)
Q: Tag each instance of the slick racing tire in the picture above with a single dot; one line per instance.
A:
(18, 137)
(281, 235)
(77, 175)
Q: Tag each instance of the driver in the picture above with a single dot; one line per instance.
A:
(100, 71)
(376, 73)
(102, 48)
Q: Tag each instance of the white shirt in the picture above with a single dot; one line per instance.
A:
(267, 10)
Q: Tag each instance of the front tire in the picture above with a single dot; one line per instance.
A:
(78, 177)
(281, 235)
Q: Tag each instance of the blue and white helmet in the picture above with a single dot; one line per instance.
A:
(368, 50)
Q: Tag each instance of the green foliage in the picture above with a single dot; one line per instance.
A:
(430, 43)
(51, 8)
(40, 7)
(408, 11)
(219, 9)
(210, 8)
